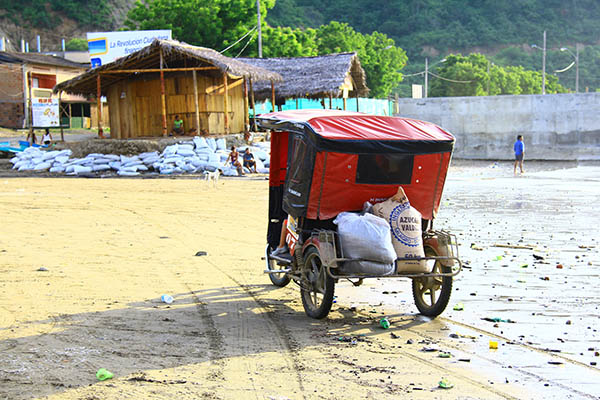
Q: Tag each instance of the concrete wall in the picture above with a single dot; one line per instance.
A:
(554, 126)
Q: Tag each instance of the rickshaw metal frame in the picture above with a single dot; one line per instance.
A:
(329, 250)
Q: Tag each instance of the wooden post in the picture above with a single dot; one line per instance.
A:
(344, 104)
(252, 102)
(273, 94)
(98, 105)
(30, 113)
(196, 103)
(60, 109)
(357, 110)
(162, 95)
(330, 106)
(296, 103)
(226, 102)
(70, 115)
(246, 117)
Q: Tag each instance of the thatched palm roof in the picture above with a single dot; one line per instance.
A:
(312, 77)
(175, 55)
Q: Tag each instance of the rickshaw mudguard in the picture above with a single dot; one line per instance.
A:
(324, 242)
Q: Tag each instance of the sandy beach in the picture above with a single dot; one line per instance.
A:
(84, 262)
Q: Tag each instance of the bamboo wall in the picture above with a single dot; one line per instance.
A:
(136, 111)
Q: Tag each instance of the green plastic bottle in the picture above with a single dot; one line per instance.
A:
(384, 322)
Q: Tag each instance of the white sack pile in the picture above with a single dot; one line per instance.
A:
(197, 156)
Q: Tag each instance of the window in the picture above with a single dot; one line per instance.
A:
(384, 169)
(43, 81)
(297, 160)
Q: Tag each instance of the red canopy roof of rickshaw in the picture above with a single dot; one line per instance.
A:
(349, 125)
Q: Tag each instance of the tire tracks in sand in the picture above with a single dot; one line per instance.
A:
(288, 345)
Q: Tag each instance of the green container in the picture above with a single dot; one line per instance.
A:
(76, 122)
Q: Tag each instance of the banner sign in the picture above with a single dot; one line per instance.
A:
(106, 47)
(45, 112)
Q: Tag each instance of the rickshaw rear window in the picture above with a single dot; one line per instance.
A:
(384, 169)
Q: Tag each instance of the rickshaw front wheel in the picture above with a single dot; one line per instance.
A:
(432, 294)
(279, 280)
(317, 290)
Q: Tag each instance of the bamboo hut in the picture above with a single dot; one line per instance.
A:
(327, 76)
(147, 89)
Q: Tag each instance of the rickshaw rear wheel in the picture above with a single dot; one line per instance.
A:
(317, 290)
(279, 280)
(432, 294)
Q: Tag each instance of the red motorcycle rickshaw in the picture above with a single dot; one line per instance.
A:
(324, 162)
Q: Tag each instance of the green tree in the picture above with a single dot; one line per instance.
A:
(76, 44)
(209, 23)
(378, 55)
(461, 76)
(468, 76)
(287, 42)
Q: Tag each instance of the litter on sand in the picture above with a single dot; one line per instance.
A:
(104, 374)
(496, 319)
(445, 384)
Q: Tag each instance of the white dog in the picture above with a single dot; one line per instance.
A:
(212, 176)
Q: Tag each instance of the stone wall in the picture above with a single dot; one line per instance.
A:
(12, 111)
(554, 126)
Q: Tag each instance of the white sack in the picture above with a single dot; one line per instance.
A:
(200, 143)
(78, 169)
(61, 159)
(42, 166)
(367, 268)
(101, 167)
(127, 173)
(366, 237)
(212, 143)
(170, 150)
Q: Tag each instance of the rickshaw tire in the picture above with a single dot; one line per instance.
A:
(323, 310)
(444, 296)
(277, 281)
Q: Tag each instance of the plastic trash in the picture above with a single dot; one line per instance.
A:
(445, 384)
(165, 298)
(384, 323)
(496, 319)
(459, 307)
(493, 345)
(103, 374)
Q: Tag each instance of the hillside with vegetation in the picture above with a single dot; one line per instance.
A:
(502, 30)
(487, 46)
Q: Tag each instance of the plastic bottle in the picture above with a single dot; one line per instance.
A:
(165, 298)
(384, 322)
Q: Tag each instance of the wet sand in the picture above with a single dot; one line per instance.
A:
(112, 247)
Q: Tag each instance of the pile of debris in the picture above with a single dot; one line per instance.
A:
(186, 157)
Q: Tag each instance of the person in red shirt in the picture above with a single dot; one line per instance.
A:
(233, 157)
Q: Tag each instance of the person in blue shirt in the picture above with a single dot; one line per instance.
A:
(519, 151)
